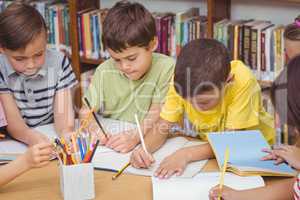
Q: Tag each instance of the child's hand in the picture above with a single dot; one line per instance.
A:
(140, 159)
(35, 137)
(123, 142)
(289, 153)
(272, 156)
(173, 164)
(227, 193)
(38, 155)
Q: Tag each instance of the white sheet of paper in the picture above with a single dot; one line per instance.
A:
(116, 161)
(198, 187)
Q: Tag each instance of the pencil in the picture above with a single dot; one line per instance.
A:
(223, 172)
(93, 152)
(140, 134)
(120, 171)
(95, 117)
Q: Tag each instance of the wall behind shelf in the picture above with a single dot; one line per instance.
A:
(164, 5)
(278, 11)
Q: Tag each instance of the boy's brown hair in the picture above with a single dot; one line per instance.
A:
(20, 23)
(202, 65)
(292, 31)
(127, 25)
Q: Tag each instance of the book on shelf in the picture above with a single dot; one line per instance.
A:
(258, 43)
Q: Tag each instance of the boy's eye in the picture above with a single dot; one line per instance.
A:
(39, 55)
(132, 59)
(19, 59)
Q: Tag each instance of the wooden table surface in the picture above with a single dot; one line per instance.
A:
(43, 183)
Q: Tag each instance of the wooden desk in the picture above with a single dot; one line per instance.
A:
(44, 183)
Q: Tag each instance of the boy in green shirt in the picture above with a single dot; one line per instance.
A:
(135, 79)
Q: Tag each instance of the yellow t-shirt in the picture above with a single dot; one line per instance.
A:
(240, 107)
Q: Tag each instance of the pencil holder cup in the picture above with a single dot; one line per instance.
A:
(77, 181)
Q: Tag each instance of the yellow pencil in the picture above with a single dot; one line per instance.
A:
(223, 172)
(120, 171)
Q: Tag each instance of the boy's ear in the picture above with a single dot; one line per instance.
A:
(1, 50)
(153, 44)
(230, 78)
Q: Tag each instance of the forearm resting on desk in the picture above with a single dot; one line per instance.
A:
(13, 169)
(199, 152)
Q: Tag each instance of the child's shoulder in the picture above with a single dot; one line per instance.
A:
(162, 64)
(161, 59)
(241, 71)
(56, 58)
(243, 76)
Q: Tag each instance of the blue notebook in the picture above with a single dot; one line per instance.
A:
(245, 154)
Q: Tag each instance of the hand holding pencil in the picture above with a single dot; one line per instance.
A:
(141, 158)
(143, 150)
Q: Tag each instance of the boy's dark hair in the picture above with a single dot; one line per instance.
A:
(202, 65)
(126, 25)
(286, 97)
(292, 31)
(20, 23)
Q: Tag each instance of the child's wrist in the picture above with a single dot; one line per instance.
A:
(24, 162)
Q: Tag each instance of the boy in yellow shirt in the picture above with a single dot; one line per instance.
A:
(211, 94)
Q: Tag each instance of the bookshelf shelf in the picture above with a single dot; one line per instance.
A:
(91, 61)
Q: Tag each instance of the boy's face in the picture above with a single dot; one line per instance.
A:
(134, 61)
(29, 60)
(206, 100)
(292, 48)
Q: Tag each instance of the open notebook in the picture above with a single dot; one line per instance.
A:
(245, 154)
(108, 159)
(197, 188)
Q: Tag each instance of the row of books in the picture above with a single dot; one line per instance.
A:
(90, 33)
(259, 44)
(173, 31)
(57, 18)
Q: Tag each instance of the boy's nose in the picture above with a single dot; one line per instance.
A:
(125, 67)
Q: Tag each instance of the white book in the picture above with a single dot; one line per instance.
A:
(197, 188)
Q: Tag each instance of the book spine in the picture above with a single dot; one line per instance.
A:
(247, 45)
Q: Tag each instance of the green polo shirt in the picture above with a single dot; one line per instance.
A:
(117, 97)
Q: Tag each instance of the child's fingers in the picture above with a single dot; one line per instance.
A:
(138, 161)
(268, 157)
(163, 173)
(42, 164)
(179, 172)
(45, 152)
(43, 145)
(279, 161)
(169, 173)
(112, 140)
(266, 150)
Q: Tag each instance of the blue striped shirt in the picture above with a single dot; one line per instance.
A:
(34, 95)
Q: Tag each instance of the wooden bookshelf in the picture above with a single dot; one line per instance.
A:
(216, 11)
(75, 6)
